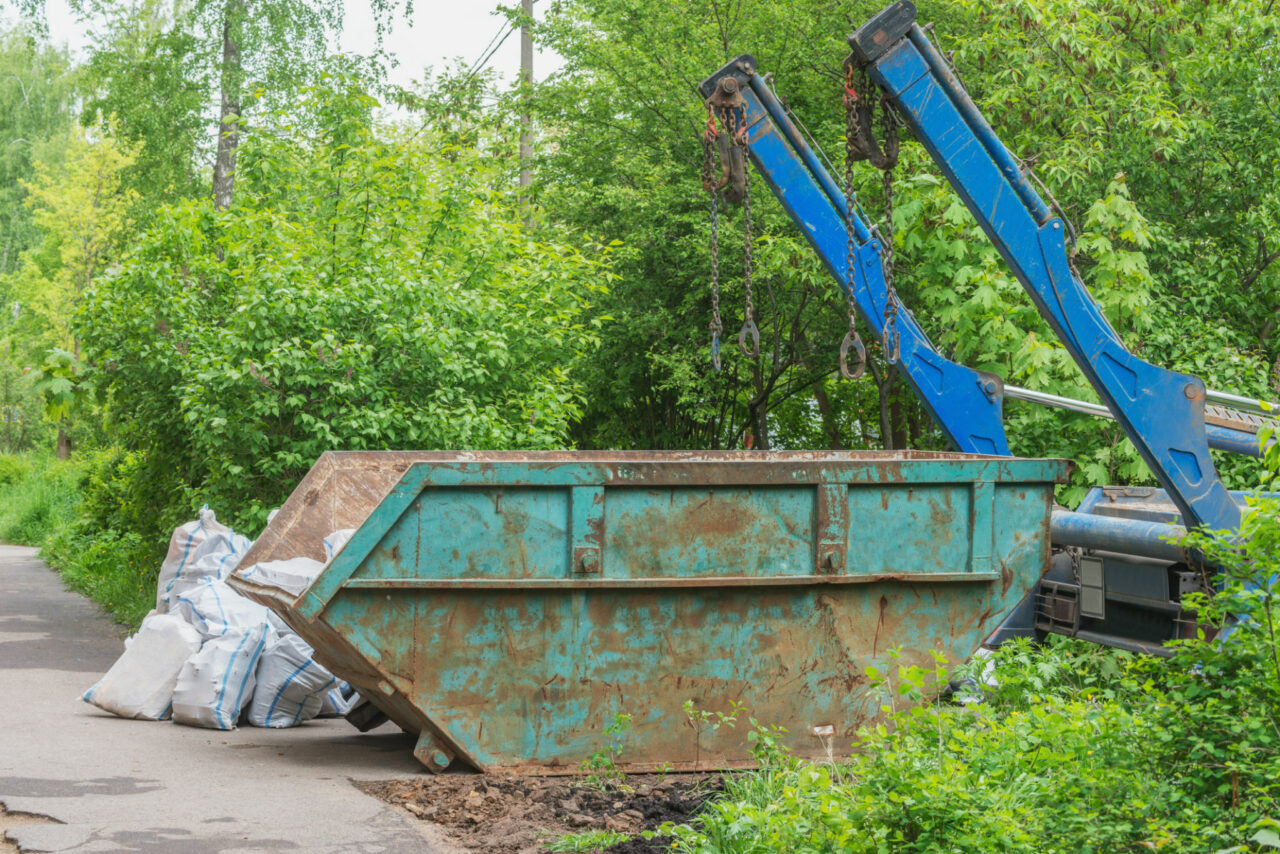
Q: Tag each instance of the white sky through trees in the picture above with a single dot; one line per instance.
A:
(441, 30)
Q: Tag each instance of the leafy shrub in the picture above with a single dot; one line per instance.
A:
(116, 570)
(370, 289)
(14, 469)
(77, 512)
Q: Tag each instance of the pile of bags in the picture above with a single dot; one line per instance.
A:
(207, 656)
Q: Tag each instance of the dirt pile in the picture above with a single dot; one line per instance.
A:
(518, 815)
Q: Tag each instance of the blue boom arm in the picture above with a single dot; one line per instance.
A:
(965, 403)
(1161, 411)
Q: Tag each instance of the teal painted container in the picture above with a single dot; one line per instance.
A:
(506, 605)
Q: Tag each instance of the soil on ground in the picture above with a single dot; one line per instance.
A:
(519, 815)
(16, 819)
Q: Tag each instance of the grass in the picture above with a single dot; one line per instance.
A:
(41, 505)
(585, 842)
(38, 496)
(117, 571)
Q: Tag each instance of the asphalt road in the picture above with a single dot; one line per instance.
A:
(110, 784)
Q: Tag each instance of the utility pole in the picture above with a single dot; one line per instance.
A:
(526, 84)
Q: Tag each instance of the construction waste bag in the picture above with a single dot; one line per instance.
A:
(296, 574)
(214, 609)
(291, 685)
(338, 700)
(210, 657)
(293, 576)
(199, 550)
(140, 684)
(217, 682)
(282, 628)
(334, 543)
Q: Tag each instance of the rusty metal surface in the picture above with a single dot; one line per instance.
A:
(343, 487)
(505, 605)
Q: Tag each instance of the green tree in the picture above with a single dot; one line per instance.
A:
(626, 122)
(147, 77)
(370, 289)
(82, 210)
(235, 53)
(1121, 110)
(35, 117)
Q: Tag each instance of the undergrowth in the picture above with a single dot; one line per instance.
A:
(585, 842)
(66, 508)
(1073, 749)
(38, 495)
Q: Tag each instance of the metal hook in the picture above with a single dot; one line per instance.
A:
(892, 343)
(715, 350)
(852, 340)
(749, 328)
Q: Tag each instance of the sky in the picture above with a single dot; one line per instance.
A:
(440, 31)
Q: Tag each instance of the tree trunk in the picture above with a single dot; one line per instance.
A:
(758, 410)
(224, 167)
(885, 389)
(526, 85)
(829, 427)
(898, 422)
(64, 444)
(886, 430)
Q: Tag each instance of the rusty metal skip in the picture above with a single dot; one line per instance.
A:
(505, 605)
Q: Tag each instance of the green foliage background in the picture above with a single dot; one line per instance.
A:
(366, 292)
(379, 281)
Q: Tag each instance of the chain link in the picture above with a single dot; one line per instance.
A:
(708, 182)
(852, 340)
(861, 144)
(892, 339)
(717, 327)
(749, 328)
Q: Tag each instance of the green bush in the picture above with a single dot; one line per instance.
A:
(111, 549)
(1148, 763)
(14, 469)
(370, 289)
(118, 571)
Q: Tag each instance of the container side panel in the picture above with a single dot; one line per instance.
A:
(675, 532)
(380, 628)
(912, 529)
(1021, 536)
(489, 532)
(530, 679)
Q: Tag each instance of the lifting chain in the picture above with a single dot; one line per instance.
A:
(749, 329)
(709, 139)
(892, 342)
(730, 145)
(852, 340)
(861, 144)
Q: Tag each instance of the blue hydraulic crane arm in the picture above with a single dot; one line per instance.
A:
(1161, 411)
(965, 403)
